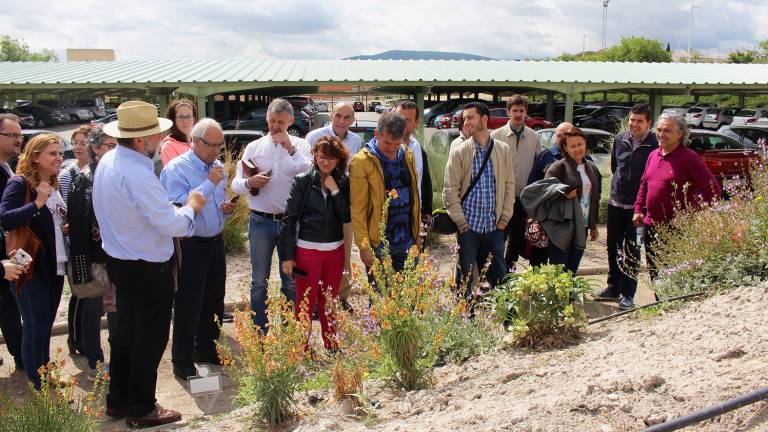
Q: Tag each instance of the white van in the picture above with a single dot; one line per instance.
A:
(95, 105)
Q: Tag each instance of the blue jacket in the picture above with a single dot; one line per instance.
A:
(627, 166)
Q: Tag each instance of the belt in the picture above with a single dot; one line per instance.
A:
(213, 239)
(273, 216)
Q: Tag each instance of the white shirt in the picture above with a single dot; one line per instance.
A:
(352, 142)
(58, 211)
(586, 191)
(136, 220)
(269, 156)
(415, 147)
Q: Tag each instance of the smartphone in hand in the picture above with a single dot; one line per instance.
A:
(21, 257)
(234, 199)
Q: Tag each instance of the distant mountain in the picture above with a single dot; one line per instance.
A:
(419, 55)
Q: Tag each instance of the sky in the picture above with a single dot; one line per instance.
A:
(334, 29)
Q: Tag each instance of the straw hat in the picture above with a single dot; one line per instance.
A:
(136, 119)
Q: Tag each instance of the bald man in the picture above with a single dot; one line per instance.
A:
(342, 117)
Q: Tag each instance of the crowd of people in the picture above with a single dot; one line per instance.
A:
(135, 222)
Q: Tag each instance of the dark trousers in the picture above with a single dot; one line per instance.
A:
(10, 322)
(649, 241)
(515, 234)
(570, 257)
(199, 299)
(539, 256)
(144, 300)
(38, 302)
(622, 236)
(471, 246)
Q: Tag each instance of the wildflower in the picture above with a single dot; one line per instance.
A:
(393, 194)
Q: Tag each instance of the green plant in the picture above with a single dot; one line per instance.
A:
(235, 226)
(267, 372)
(716, 247)
(543, 306)
(461, 337)
(55, 407)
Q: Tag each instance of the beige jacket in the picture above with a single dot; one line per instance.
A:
(458, 176)
(523, 152)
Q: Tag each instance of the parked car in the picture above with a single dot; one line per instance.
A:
(366, 129)
(75, 114)
(104, 120)
(748, 116)
(25, 120)
(719, 117)
(236, 140)
(95, 105)
(373, 104)
(444, 107)
(302, 101)
(358, 106)
(727, 158)
(44, 116)
(66, 147)
(381, 108)
(256, 119)
(321, 106)
(607, 118)
(537, 123)
(599, 143)
(695, 116)
(752, 136)
(683, 109)
(443, 121)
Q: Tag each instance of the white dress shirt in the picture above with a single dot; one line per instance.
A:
(269, 156)
(136, 220)
(352, 142)
(415, 147)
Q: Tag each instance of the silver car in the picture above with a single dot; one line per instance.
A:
(718, 118)
(694, 116)
(748, 116)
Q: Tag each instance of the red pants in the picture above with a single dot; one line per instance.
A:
(322, 267)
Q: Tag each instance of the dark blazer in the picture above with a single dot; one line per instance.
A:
(565, 171)
(3, 180)
(426, 186)
(320, 218)
(627, 166)
(14, 213)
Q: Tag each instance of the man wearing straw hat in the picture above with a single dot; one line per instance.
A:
(137, 225)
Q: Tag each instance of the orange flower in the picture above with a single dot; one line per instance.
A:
(393, 194)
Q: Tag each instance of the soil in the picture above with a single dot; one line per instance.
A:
(705, 353)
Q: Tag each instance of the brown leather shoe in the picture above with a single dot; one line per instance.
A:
(158, 416)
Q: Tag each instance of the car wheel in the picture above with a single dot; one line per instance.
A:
(294, 131)
(74, 118)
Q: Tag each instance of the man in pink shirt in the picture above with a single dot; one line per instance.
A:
(674, 178)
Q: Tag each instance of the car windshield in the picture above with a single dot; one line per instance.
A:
(695, 110)
(745, 113)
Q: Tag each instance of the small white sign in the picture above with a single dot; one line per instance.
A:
(204, 382)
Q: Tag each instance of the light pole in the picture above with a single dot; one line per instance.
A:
(690, 32)
(605, 21)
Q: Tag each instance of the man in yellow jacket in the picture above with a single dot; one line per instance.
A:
(384, 168)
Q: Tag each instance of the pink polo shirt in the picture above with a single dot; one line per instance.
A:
(170, 148)
(665, 180)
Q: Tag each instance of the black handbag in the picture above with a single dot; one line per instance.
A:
(441, 221)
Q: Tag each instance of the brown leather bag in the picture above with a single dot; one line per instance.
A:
(23, 238)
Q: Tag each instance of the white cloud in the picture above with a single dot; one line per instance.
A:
(503, 29)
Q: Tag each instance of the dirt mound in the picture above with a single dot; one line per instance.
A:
(626, 374)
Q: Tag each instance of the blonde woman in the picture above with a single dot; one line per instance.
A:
(32, 198)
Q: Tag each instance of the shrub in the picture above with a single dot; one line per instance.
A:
(437, 148)
(717, 247)
(267, 372)
(461, 337)
(55, 408)
(236, 226)
(544, 306)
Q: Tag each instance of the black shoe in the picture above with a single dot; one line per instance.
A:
(115, 413)
(346, 306)
(626, 303)
(184, 372)
(206, 358)
(607, 294)
(72, 347)
(227, 317)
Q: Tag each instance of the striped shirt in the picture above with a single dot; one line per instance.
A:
(480, 206)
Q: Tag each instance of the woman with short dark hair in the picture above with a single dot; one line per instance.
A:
(319, 204)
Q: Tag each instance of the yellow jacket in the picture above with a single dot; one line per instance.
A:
(367, 196)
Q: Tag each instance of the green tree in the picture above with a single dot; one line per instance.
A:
(632, 49)
(15, 50)
(748, 56)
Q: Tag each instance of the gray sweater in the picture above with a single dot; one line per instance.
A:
(560, 217)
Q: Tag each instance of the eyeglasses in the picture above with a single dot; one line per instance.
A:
(12, 135)
(326, 159)
(109, 145)
(212, 145)
(185, 117)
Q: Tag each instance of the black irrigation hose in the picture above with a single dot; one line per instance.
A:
(708, 413)
(618, 314)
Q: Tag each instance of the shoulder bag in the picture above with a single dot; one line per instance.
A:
(23, 238)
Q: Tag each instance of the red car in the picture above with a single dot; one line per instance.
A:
(727, 158)
(358, 106)
(500, 116)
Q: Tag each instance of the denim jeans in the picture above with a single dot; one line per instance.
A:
(622, 236)
(38, 302)
(569, 258)
(471, 245)
(262, 236)
(87, 328)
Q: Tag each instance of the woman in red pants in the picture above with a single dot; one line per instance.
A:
(312, 232)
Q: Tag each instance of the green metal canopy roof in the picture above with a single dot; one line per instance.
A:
(536, 74)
